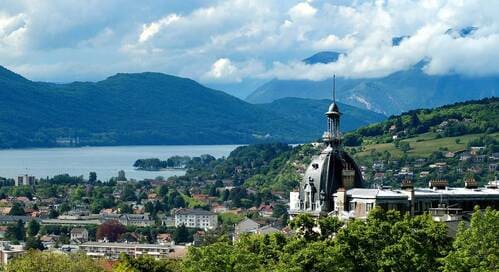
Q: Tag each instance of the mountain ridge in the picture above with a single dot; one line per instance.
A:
(138, 108)
(398, 92)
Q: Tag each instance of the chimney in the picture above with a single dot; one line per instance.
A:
(438, 184)
(470, 183)
(408, 186)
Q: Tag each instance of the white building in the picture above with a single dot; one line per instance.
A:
(24, 180)
(79, 234)
(113, 250)
(196, 218)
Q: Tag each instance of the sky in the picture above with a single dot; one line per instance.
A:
(233, 42)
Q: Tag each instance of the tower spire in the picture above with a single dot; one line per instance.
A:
(334, 88)
(333, 136)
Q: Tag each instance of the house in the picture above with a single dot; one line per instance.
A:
(465, 156)
(138, 220)
(249, 226)
(49, 241)
(79, 234)
(196, 218)
(268, 229)
(164, 238)
(424, 174)
(245, 226)
(266, 210)
(219, 208)
(449, 154)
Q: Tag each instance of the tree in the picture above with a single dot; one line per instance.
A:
(92, 177)
(36, 261)
(145, 263)
(304, 224)
(476, 248)
(163, 190)
(33, 243)
(404, 146)
(181, 234)
(17, 209)
(111, 230)
(33, 228)
(15, 232)
(121, 175)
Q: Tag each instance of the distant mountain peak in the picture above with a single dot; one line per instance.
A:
(323, 57)
(462, 32)
(397, 40)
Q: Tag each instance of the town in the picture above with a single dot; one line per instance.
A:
(162, 218)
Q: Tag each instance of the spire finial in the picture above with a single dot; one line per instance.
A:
(334, 88)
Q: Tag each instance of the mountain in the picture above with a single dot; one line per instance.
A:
(322, 57)
(311, 111)
(143, 108)
(392, 94)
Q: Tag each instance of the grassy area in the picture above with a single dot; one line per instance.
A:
(423, 145)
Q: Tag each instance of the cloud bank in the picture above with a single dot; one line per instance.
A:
(231, 41)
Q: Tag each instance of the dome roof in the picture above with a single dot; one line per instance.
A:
(326, 174)
(333, 108)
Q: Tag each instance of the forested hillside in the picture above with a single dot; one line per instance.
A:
(147, 108)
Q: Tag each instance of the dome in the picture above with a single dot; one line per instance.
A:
(333, 108)
(326, 173)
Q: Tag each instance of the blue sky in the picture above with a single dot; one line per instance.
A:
(231, 42)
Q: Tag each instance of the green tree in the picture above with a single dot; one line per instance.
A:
(15, 232)
(33, 243)
(36, 261)
(33, 228)
(181, 234)
(92, 177)
(17, 209)
(476, 248)
(304, 224)
(145, 264)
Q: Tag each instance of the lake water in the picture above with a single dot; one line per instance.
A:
(105, 161)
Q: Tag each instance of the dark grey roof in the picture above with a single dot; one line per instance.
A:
(193, 212)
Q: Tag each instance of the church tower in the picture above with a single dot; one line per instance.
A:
(331, 171)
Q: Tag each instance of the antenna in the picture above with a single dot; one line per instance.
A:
(334, 88)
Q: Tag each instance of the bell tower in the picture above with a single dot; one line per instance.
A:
(332, 137)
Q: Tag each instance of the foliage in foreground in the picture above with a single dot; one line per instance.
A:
(476, 248)
(386, 241)
(145, 264)
(38, 261)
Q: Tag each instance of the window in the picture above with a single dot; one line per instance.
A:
(369, 207)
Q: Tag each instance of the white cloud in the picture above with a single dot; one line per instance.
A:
(149, 30)
(302, 10)
(229, 41)
(333, 42)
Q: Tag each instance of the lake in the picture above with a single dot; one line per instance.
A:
(105, 161)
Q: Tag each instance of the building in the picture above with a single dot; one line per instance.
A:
(250, 226)
(196, 218)
(137, 220)
(8, 252)
(331, 170)
(113, 250)
(79, 234)
(358, 202)
(24, 180)
(333, 185)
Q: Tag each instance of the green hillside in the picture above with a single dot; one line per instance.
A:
(145, 108)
